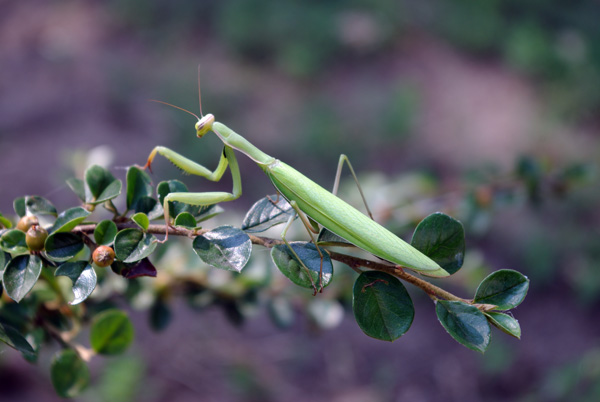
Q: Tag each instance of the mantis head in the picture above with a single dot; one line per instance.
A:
(204, 125)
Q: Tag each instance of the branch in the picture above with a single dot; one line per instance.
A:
(353, 262)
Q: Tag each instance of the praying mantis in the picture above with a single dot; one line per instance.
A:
(311, 202)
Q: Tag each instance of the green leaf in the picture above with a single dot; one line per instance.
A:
(132, 245)
(149, 206)
(13, 241)
(139, 187)
(505, 323)
(141, 219)
(134, 270)
(69, 373)
(328, 238)
(265, 213)
(225, 247)
(83, 277)
(111, 332)
(68, 219)
(5, 222)
(465, 323)
(105, 233)
(63, 246)
(4, 259)
(504, 288)
(20, 275)
(382, 307)
(441, 238)
(101, 185)
(19, 206)
(294, 271)
(15, 340)
(36, 205)
(185, 219)
(78, 187)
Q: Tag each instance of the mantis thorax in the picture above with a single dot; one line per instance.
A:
(204, 125)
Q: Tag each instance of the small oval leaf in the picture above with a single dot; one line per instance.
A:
(465, 323)
(185, 219)
(20, 276)
(225, 247)
(78, 187)
(504, 288)
(294, 271)
(441, 238)
(68, 219)
(266, 213)
(15, 340)
(69, 373)
(111, 332)
(132, 245)
(63, 246)
(13, 242)
(36, 205)
(138, 187)
(19, 206)
(101, 185)
(83, 277)
(141, 219)
(134, 270)
(5, 223)
(105, 233)
(505, 323)
(382, 306)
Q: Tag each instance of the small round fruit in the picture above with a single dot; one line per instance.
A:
(26, 222)
(36, 237)
(103, 256)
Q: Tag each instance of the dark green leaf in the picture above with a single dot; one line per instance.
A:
(78, 187)
(13, 241)
(281, 312)
(382, 307)
(68, 219)
(328, 238)
(441, 238)
(138, 188)
(83, 277)
(134, 270)
(69, 373)
(105, 233)
(185, 219)
(225, 247)
(101, 185)
(150, 206)
(175, 207)
(292, 269)
(19, 206)
(266, 213)
(465, 323)
(111, 332)
(160, 315)
(132, 245)
(4, 259)
(505, 323)
(207, 212)
(15, 340)
(141, 219)
(63, 246)
(5, 222)
(20, 275)
(36, 205)
(504, 288)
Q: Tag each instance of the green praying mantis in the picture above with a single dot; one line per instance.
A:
(311, 202)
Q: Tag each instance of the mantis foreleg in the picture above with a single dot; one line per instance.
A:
(201, 199)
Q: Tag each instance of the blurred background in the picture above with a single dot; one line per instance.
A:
(485, 110)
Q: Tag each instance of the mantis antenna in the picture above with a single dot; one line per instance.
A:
(199, 93)
(176, 107)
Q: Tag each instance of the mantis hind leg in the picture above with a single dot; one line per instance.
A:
(338, 174)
